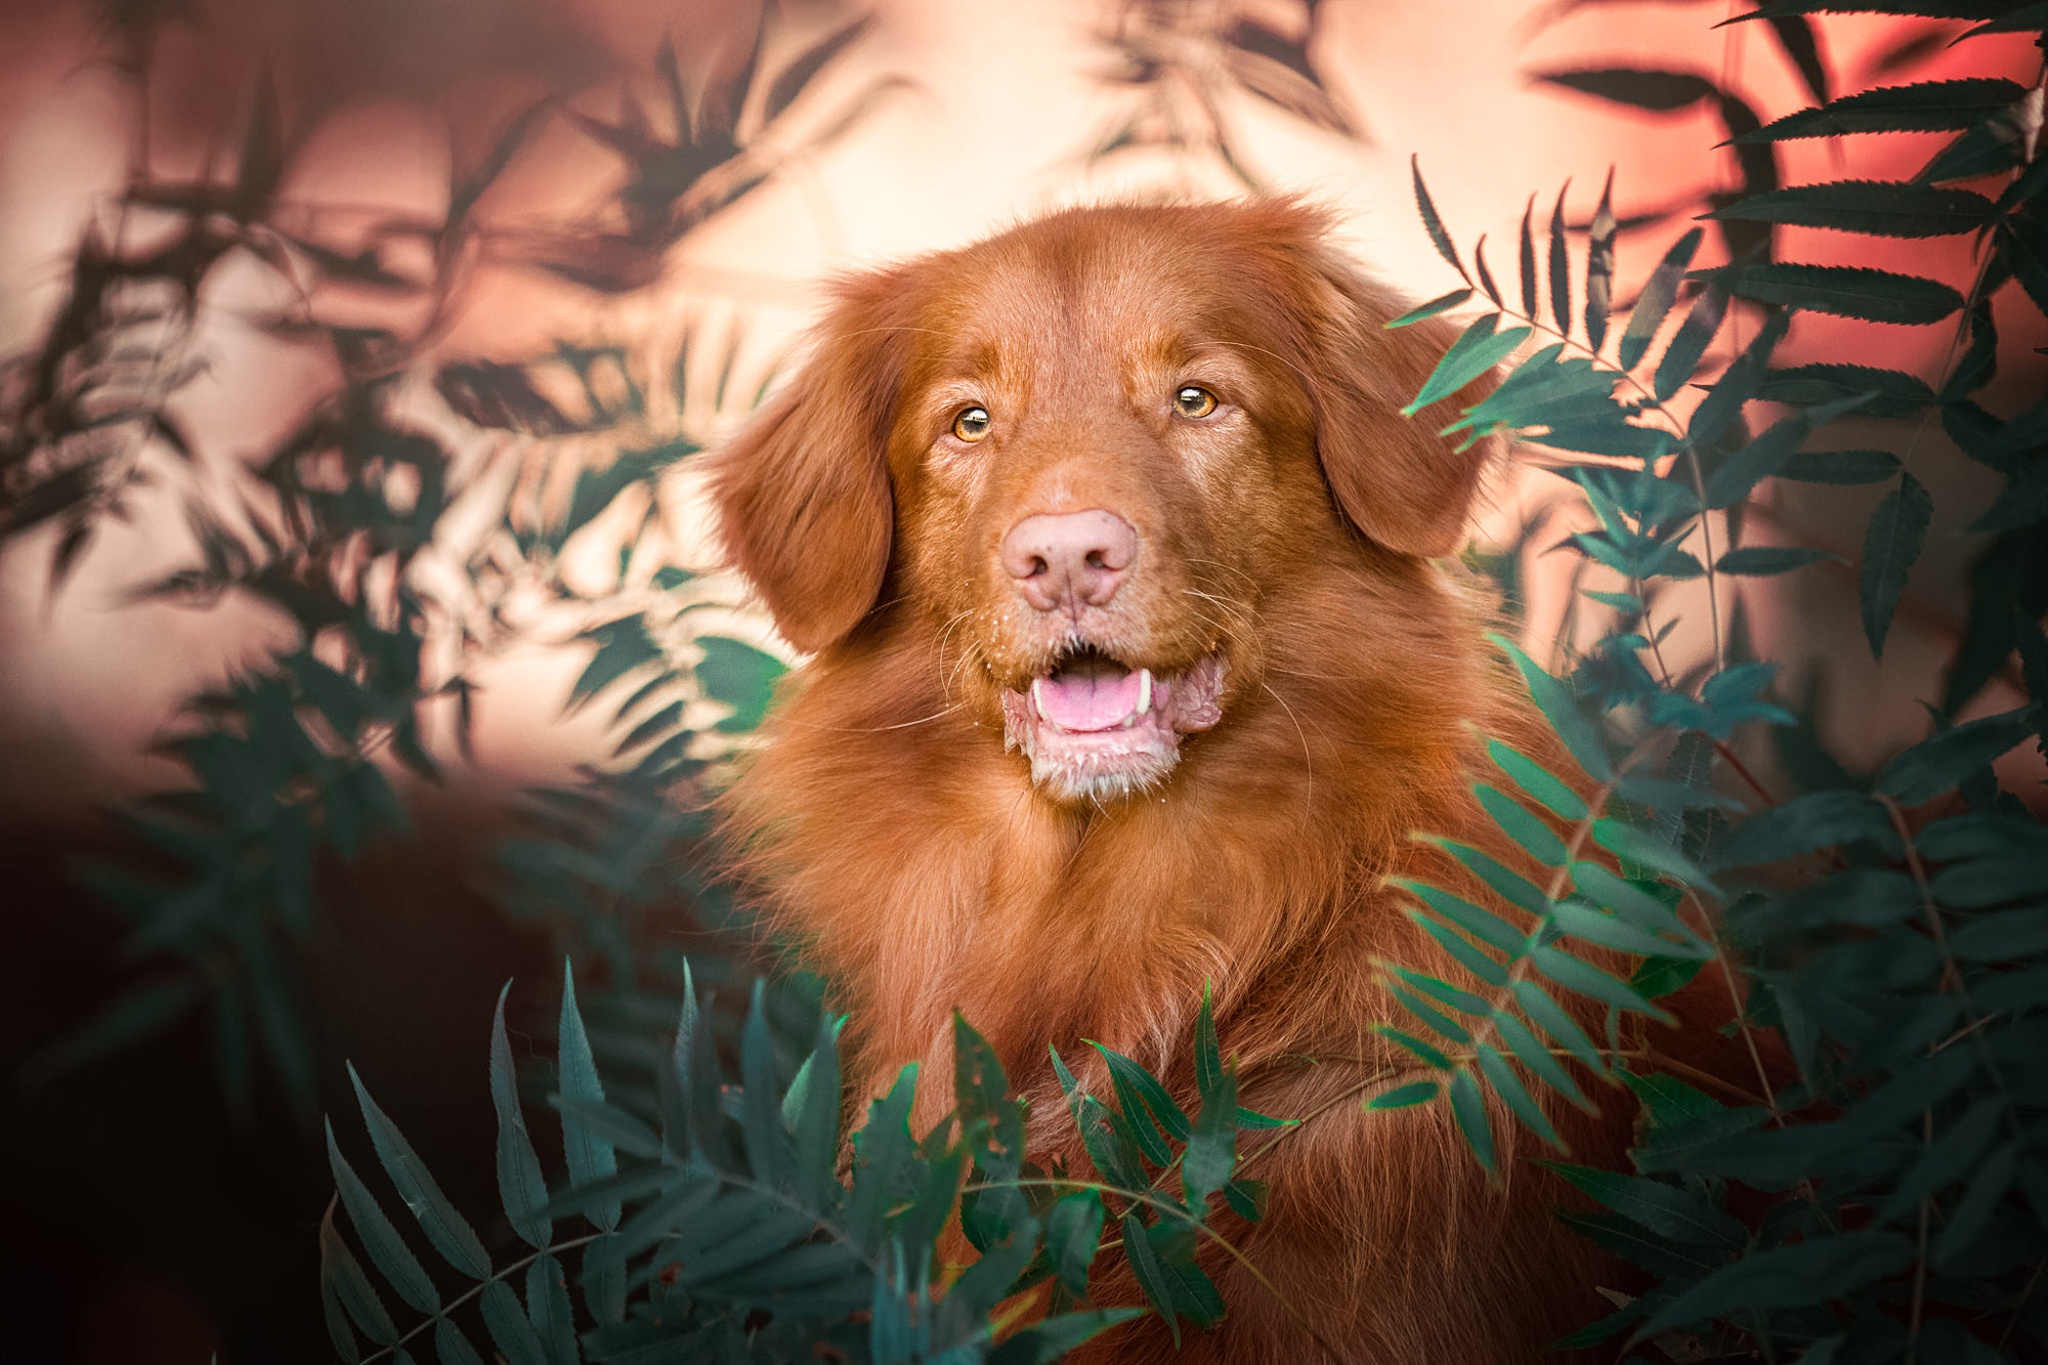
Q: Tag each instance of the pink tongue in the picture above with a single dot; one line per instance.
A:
(1095, 700)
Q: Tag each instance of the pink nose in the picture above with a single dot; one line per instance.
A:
(1070, 560)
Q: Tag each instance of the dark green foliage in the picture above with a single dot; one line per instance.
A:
(1893, 932)
(1879, 1195)
(732, 1229)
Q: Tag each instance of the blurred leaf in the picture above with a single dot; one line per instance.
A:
(1891, 544)
(739, 675)
(1661, 92)
(1809, 1273)
(1764, 560)
(1932, 766)
(1839, 466)
(1814, 821)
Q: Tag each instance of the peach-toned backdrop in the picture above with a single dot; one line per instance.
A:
(990, 121)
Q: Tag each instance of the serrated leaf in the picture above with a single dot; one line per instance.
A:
(1849, 291)
(550, 1312)
(1878, 208)
(589, 1156)
(446, 1229)
(1560, 268)
(451, 1347)
(387, 1251)
(346, 1292)
(507, 1323)
(1891, 545)
(1927, 106)
(1528, 259)
(1682, 357)
(1433, 224)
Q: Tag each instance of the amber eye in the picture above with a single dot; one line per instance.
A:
(971, 424)
(1194, 401)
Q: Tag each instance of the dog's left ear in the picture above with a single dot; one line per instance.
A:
(1400, 483)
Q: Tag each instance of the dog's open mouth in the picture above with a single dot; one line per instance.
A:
(1094, 727)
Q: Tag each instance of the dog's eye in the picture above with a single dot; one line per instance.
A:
(1194, 401)
(971, 424)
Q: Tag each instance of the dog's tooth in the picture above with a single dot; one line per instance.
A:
(1037, 698)
(1144, 690)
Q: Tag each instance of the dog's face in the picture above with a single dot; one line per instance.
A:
(1083, 456)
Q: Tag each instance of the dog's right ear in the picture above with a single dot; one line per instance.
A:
(802, 491)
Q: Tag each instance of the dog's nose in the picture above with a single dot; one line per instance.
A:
(1071, 559)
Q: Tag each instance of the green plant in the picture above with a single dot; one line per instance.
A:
(1896, 1181)
(726, 1223)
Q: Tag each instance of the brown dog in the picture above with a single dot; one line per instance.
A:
(1133, 670)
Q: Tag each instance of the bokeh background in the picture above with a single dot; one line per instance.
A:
(142, 1218)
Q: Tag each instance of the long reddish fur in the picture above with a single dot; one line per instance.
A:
(891, 837)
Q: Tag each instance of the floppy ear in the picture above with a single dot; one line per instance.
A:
(1400, 483)
(802, 491)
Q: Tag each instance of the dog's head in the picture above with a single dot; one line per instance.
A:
(1084, 455)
